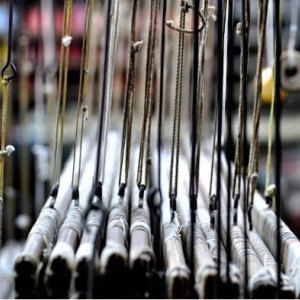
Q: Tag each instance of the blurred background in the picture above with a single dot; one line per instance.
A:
(32, 102)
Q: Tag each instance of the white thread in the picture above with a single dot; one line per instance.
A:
(73, 221)
(199, 237)
(172, 230)
(140, 225)
(118, 217)
(47, 224)
(241, 250)
(66, 40)
(171, 233)
(94, 218)
(212, 241)
(9, 149)
(48, 249)
(140, 221)
(137, 46)
(263, 252)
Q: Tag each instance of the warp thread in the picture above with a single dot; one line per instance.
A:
(172, 240)
(73, 221)
(140, 220)
(262, 251)
(212, 241)
(118, 218)
(238, 242)
(199, 237)
(47, 224)
(94, 218)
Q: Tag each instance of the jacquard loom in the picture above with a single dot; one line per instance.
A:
(144, 149)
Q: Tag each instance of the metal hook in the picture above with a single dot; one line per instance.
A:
(236, 199)
(170, 23)
(173, 206)
(154, 205)
(53, 195)
(212, 207)
(250, 218)
(75, 195)
(9, 48)
(142, 189)
(97, 192)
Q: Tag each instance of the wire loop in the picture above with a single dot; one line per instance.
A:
(9, 48)
(186, 7)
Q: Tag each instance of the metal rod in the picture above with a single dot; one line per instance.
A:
(278, 144)
(160, 114)
(219, 131)
(103, 95)
(230, 94)
(9, 46)
(193, 192)
(245, 144)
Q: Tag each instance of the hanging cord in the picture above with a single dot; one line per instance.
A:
(228, 103)
(207, 13)
(278, 144)
(220, 42)
(245, 33)
(254, 147)
(111, 36)
(129, 103)
(155, 206)
(175, 150)
(213, 195)
(236, 188)
(146, 124)
(61, 101)
(81, 104)
(193, 192)
(111, 56)
(97, 189)
(177, 114)
(185, 3)
(6, 150)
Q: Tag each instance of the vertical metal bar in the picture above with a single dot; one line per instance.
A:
(219, 128)
(160, 113)
(229, 102)
(245, 148)
(278, 144)
(103, 94)
(193, 192)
